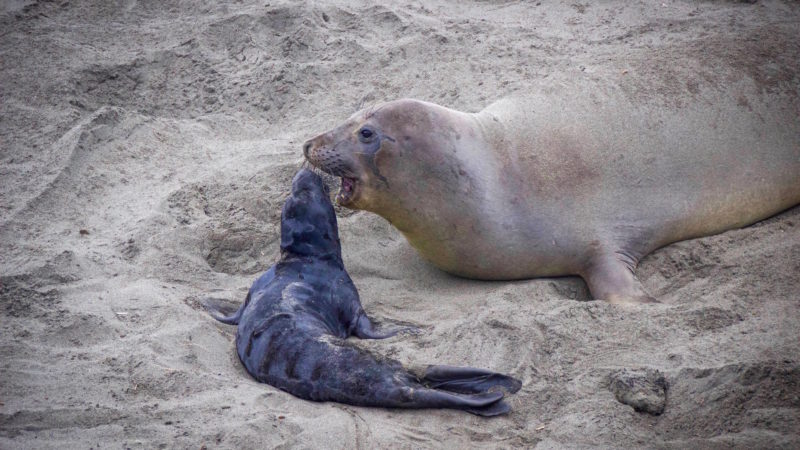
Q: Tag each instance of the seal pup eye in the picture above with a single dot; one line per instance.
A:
(365, 134)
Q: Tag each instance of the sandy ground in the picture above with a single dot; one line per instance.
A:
(146, 150)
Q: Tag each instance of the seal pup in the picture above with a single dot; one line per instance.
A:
(581, 184)
(294, 321)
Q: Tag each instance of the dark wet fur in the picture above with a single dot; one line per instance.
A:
(293, 326)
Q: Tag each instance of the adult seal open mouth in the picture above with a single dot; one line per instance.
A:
(580, 184)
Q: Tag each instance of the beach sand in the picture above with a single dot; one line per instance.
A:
(146, 149)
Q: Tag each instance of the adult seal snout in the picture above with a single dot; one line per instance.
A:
(294, 322)
(553, 184)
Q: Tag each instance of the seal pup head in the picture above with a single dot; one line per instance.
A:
(308, 220)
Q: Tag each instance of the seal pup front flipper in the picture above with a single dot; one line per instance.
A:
(215, 309)
(364, 329)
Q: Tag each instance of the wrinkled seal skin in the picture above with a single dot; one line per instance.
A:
(294, 321)
(584, 184)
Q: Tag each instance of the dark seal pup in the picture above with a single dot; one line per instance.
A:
(293, 324)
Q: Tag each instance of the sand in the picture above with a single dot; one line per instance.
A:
(147, 148)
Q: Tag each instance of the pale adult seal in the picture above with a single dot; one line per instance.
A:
(549, 185)
(294, 321)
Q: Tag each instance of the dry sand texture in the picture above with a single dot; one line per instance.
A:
(147, 147)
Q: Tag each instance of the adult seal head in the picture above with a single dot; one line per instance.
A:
(553, 185)
(294, 321)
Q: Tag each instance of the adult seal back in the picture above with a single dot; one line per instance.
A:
(580, 184)
(293, 325)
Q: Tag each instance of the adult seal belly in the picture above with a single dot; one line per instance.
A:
(294, 321)
(549, 185)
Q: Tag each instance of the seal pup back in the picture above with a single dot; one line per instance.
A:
(294, 322)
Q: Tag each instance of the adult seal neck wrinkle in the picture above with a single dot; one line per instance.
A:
(520, 204)
(447, 186)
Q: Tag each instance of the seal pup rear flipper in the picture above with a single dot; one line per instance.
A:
(486, 404)
(471, 380)
(468, 380)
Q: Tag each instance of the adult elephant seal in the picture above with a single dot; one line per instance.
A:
(294, 321)
(552, 184)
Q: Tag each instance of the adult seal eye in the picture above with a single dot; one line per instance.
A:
(365, 134)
